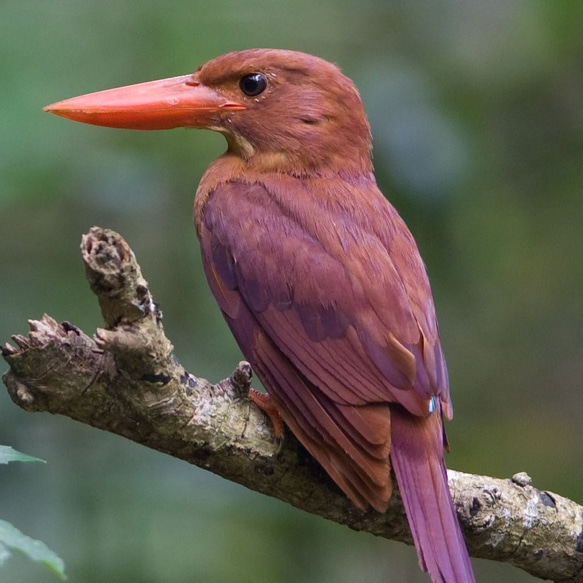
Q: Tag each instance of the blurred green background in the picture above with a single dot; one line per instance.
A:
(477, 115)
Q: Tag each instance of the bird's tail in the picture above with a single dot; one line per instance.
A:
(417, 458)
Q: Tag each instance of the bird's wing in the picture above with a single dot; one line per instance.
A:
(345, 297)
(324, 313)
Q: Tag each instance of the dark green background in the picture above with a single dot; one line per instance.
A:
(477, 115)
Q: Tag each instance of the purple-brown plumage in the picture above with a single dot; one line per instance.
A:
(317, 276)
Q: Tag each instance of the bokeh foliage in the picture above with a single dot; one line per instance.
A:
(477, 114)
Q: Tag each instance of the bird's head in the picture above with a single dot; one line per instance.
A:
(279, 110)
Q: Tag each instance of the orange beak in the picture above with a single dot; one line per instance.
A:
(155, 105)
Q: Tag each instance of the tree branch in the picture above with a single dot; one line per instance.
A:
(126, 380)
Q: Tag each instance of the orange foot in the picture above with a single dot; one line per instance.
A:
(266, 404)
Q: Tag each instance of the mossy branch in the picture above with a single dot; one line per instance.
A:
(126, 380)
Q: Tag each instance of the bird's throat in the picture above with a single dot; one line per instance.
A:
(238, 144)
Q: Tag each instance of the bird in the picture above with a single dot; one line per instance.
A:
(317, 276)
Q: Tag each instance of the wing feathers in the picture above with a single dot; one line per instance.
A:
(334, 313)
(331, 433)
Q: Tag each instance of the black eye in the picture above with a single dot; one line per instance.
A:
(253, 84)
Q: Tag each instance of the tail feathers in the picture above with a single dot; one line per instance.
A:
(417, 458)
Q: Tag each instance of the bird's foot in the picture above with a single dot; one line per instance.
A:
(266, 404)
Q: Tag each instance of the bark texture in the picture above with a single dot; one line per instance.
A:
(125, 379)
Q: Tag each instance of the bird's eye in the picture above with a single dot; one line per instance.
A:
(253, 84)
